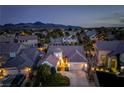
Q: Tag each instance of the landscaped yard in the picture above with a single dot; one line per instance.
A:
(47, 77)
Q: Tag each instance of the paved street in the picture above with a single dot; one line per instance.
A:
(77, 78)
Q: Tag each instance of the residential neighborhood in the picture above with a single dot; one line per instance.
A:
(39, 54)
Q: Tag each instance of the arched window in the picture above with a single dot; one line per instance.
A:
(113, 63)
(104, 60)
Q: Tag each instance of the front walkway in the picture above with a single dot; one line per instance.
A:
(77, 78)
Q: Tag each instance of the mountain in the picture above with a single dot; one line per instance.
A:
(37, 25)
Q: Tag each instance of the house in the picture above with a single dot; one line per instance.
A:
(107, 53)
(92, 34)
(56, 41)
(69, 40)
(22, 62)
(117, 57)
(62, 57)
(28, 41)
(110, 36)
(6, 39)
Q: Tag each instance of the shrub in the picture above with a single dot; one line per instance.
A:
(28, 84)
(58, 80)
(53, 70)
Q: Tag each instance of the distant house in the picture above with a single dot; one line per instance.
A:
(57, 41)
(92, 34)
(110, 36)
(70, 57)
(107, 53)
(28, 41)
(6, 39)
(69, 40)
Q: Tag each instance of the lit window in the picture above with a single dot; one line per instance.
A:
(113, 63)
(104, 59)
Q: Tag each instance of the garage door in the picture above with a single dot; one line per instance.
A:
(74, 66)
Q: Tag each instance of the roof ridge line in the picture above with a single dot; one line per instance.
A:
(80, 54)
(72, 55)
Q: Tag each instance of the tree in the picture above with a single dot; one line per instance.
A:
(28, 84)
(53, 70)
(58, 80)
(67, 34)
(44, 72)
(47, 76)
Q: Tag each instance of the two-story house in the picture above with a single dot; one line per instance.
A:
(28, 41)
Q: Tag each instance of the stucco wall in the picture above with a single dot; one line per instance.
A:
(122, 57)
(100, 53)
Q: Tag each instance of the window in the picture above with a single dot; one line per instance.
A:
(113, 63)
(104, 59)
(12, 54)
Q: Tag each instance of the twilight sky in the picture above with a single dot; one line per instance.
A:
(68, 15)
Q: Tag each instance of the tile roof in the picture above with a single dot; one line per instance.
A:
(4, 39)
(77, 57)
(14, 62)
(115, 47)
(108, 45)
(118, 50)
(67, 50)
(74, 53)
(25, 58)
(8, 47)
(29, 52)
(52, 59)
(32, 37)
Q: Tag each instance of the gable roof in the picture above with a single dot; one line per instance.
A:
(67, 50)
(14, 62)
(108, 45)
(73, 53)
(31, 37)
(118, 50)
(9, 47)
(25, 58)
(5, 39)
(77, 57)
(29, 52)
(52, 60)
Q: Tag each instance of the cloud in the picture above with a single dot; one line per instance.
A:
(115, 18)
(112, 20)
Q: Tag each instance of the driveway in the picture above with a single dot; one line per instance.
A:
(77, 78)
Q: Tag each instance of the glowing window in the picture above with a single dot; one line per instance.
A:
(113, 63)
(104, 59)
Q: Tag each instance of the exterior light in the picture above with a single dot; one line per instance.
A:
(85, 65)
(3, 73)
(101, 69)
(92, 68)
(27, 70)
(68, 65)
(81, 65)
(122, 68)
(106, 70)
(40, 49)
(97, 69)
